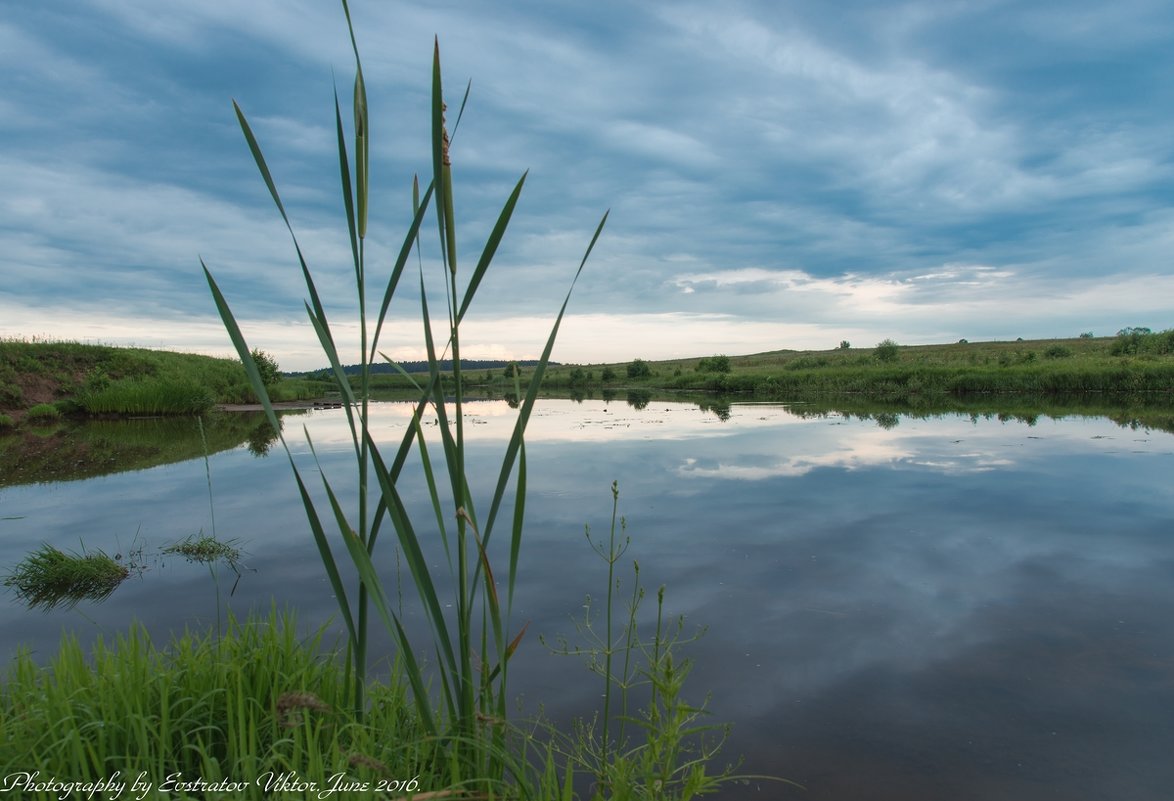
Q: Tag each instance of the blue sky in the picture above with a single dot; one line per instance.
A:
(779, 174)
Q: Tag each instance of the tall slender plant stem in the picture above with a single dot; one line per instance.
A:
(471, 652)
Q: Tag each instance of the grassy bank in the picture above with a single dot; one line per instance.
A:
(1124, 364)
(43, 380)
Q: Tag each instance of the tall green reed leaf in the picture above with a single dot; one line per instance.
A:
(473, 644)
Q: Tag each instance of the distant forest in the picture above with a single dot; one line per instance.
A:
(422, 366)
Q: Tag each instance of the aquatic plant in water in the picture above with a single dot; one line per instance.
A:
(48, 577)
(205, 549)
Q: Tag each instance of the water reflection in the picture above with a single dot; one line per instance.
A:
(80, 450)
(639, 398)
(955, 606)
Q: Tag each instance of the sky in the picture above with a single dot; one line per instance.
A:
(778, 174)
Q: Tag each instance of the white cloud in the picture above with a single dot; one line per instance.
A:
(775, 180)
(868, 451)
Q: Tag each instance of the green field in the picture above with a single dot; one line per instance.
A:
(1127, 364)
(1135, 363)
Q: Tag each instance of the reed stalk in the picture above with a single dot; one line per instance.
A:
(473, 644)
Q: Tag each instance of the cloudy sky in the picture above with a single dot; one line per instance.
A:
(779, 174)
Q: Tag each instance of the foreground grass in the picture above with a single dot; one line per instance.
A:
(242, 709)
(108, 380)
(260, 712)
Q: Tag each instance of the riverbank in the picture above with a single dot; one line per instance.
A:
(1126, 364)
(43, 381)
(47, 380)
(1129, 364)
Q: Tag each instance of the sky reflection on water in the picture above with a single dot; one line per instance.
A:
(945, 608)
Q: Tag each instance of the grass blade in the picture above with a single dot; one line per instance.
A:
(487, 254)
(259, 158)
(413, 555)
(397, 270)
(242, 349)
(348, 199)
(532, 393)
(519, 515)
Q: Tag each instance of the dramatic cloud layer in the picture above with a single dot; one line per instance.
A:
(779, 175)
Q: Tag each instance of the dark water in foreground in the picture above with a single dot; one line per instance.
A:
(946, 608)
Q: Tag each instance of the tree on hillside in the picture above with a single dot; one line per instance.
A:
(639, 369)
(267, 366)
(886, 351)
(714, 364)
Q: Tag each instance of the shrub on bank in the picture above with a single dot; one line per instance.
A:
(639, 368)
(714, 364)
(886, 351)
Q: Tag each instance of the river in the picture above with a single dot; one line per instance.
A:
(897, 606)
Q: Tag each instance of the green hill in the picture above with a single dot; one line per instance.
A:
(50, 378)
(1129, 363)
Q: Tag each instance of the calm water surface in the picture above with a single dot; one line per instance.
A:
(945, 608)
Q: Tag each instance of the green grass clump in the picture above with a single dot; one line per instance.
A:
(234, 708)
(147, 397)
(6, 422)
(11, 395)
(49, 577)
(43, 413)
(205, 548)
